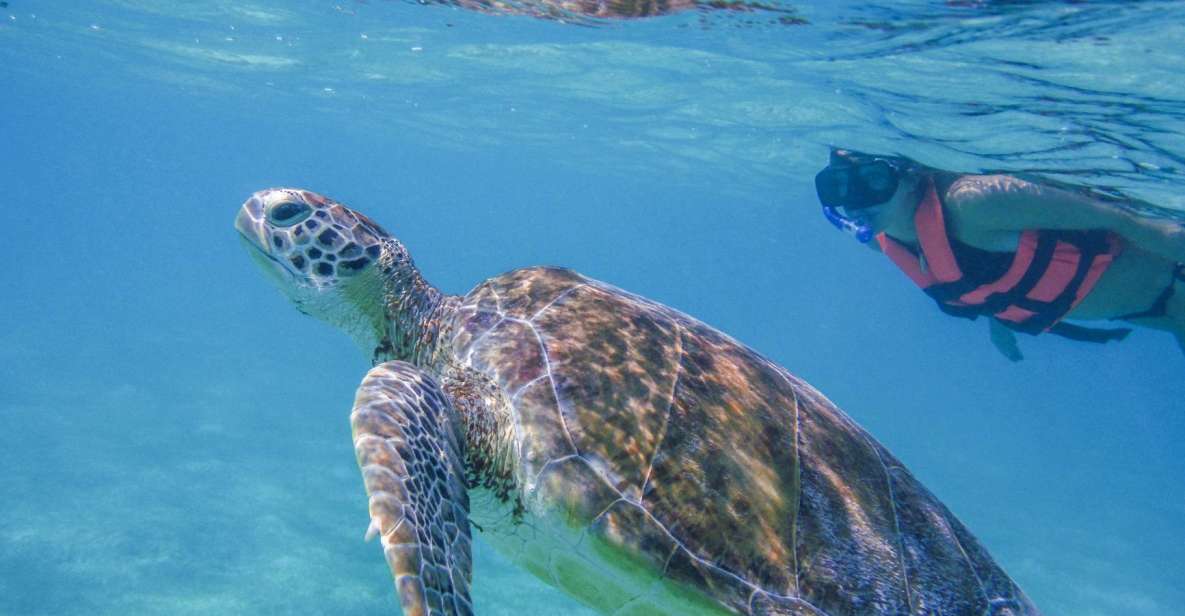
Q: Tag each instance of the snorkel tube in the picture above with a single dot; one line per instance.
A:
(862, 232)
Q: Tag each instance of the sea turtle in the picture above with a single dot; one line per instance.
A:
(636, 458)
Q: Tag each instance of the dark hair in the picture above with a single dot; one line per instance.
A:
(903, 164)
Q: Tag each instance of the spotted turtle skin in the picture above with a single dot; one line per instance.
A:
(698, 473)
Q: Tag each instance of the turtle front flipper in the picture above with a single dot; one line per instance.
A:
(408, 447)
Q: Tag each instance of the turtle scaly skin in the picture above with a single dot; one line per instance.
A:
(636, 458)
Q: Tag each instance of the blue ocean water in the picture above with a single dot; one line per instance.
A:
(174, 436)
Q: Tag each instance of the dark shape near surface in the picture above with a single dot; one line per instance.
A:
(584, 10)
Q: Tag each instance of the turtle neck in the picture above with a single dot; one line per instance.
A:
(415, 311)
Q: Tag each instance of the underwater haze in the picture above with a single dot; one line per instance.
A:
(174, 435)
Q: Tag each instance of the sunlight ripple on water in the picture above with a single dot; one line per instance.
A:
(1043, 87)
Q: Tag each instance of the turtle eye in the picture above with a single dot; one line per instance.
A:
(288, 213)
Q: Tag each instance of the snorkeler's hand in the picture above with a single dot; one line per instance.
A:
(1158, 235)
(1174, 236)
(1005, 340)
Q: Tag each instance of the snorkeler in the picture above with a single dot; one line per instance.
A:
(1026, 255)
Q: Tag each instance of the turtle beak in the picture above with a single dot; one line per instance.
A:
(256, 233)
(249, 222)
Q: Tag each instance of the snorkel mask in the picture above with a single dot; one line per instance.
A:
(855, 181)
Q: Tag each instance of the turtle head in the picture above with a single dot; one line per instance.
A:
(323, 255)
(309, 240)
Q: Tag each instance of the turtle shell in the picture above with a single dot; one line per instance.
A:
(690, 458)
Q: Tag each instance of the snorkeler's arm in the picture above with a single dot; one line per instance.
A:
(1006, 203)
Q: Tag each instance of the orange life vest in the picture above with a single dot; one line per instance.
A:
(1050, 273)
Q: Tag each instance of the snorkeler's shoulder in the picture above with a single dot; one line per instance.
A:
(988, 201)
(968, 199)
(973, 191)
